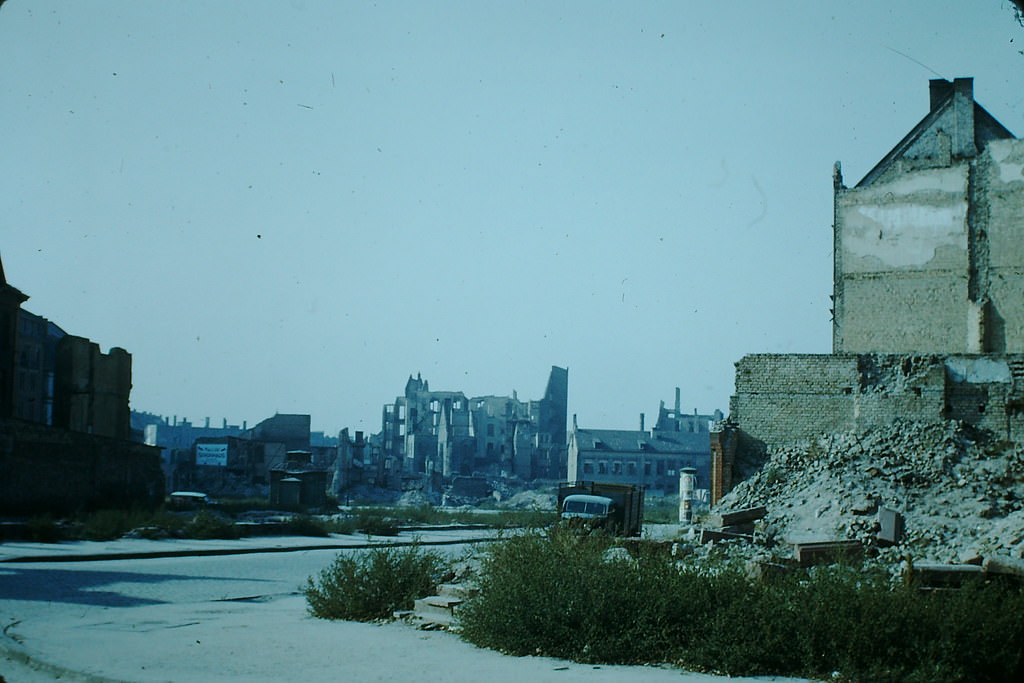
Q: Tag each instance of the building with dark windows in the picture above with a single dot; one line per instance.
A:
(437, 435)
(651, 458)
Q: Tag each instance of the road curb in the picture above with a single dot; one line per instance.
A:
(214, 552)
(12, 650)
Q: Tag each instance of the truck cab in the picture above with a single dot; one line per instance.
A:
(619, 508)
(583, 506)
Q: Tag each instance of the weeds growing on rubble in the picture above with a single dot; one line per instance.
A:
(564, 595)
(370, 585)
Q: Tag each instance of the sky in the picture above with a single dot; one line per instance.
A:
(294, 206)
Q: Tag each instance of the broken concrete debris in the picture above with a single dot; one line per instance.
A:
(943, 492)
(890, 530)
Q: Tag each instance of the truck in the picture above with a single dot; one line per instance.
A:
(619, 508)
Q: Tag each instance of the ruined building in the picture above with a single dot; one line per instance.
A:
(648, 458)
(64, 420)
(441, 434)
(928, 319)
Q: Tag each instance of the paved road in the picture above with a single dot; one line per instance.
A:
(232, 618)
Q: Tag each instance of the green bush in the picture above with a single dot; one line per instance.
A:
(372, 584)
(106, 525)
(207, 525)
(376, 525)
(44, 529)
(235, 506)
(304, 525)
(563, 595)
(342, 525)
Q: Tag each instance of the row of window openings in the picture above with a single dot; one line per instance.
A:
(628, 468)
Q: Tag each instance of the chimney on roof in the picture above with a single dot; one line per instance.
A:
(642, 422)
(939, 90)
(964, 86)
(677, 401)
(963, 113)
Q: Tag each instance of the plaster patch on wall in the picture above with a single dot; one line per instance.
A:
(978, 370)
(951, 180)
(904, 235)
(1009, 157)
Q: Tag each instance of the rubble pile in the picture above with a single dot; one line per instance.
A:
(530, 500)
(960, 491)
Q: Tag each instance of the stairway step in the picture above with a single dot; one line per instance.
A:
(436, 605)
(457, 590)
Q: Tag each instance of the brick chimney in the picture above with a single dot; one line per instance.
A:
(939, 90)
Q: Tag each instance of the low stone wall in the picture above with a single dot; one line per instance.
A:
(46, 469)
(784, 400)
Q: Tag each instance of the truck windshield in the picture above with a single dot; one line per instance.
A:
(584, 507)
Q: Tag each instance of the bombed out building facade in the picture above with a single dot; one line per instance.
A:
(64, 420)
(439, 435)
(928, 298)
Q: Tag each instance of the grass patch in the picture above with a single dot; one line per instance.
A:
(563, 595)
(376, 524)
(661, 510)
(44, 529)
(304, 525)
(106, 525)
(208, 525)
(235, 506)
(372, 584)
(428, 514)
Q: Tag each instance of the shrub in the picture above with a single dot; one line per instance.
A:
(207, 525)
(372, 584)
(304, 525)
(376, 525)
(106, 525)
(342, 525)
(44, 529)
(563, 595)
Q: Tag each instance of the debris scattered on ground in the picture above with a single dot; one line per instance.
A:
(938, 492)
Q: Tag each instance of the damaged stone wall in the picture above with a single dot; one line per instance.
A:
(1001, 280)
(788, 399)
(47, 469)
(928, 317)
(927, 248)
(902, 264)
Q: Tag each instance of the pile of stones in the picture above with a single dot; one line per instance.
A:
(960, 491)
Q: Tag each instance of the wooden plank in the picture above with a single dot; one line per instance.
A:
(825, 551)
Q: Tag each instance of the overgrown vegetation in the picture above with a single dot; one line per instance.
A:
(217, 521)
(372, 584)
(564, 595)
(376, 524)
(207, 525)
(304, 525)
(661, 510)
(44, 529)
(428, 514)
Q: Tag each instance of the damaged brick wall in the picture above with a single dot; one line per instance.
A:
(47, 469)
(927, 249)
(782, 400)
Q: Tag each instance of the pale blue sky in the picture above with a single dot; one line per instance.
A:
(292, 206)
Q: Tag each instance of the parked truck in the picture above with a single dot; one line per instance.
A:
(619, 508)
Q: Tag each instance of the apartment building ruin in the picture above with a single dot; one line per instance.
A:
(438, 435)
(928, 317)
(64, 420)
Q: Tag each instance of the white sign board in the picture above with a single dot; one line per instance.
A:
(215, 454)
